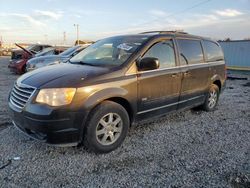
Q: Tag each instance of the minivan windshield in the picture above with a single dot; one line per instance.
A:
(112, 51)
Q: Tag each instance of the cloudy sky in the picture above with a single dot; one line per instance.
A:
(46, 20)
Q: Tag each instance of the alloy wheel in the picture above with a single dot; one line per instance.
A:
(109, 129)
(212, 99)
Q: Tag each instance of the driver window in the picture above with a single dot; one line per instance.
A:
(164, 51)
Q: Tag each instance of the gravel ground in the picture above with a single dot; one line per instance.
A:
(185, 149)
(6, 81)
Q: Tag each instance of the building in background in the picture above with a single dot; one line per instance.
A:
(237, 54)
(83, 42)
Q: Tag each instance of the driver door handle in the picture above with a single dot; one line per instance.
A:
(187, 74)
(174, 75)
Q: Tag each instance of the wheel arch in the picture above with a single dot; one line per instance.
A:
(125, 104)
(117, 99)
(216, 79)
(117, 95)
(218, 83)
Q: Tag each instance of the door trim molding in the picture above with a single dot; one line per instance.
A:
(168, 105)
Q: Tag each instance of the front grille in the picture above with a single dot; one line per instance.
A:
(20, 95)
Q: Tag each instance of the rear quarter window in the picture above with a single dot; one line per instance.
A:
(37, 48)
(190, 51)
(213, 51)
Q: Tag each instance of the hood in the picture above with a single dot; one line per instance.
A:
(29, 52)
(43, 58)
(61, 75)
(47, 59)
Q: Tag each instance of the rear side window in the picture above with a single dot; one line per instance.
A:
(213, 51)
(37, 48)
(190, 51)
(164, 51)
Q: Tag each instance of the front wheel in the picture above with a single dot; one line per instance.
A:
(212, 98)
(107, 127)
(24, 70)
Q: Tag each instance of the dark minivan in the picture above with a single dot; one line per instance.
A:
(95, 97)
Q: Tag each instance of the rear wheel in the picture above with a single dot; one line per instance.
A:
(212, 98)
(106, 128)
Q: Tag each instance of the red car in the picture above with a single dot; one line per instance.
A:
(18, 65)
(18, 62)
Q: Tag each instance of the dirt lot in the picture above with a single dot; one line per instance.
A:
(185, 149)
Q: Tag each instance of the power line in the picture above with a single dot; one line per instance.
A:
(179, 12)
(192, 7)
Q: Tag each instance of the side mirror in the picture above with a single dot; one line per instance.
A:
(148, 63)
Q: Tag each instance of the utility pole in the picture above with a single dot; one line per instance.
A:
(64, 37)
(46, 38)
(77, 33)
(1, 41)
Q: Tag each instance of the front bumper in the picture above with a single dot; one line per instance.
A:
(56, 127)
(13, 68)
(30, 69)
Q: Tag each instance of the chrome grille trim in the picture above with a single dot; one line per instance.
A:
(18, 93)
(15, 103)
(22, 90)
(19, 98)
(21, 94)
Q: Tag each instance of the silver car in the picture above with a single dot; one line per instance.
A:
(42, 61)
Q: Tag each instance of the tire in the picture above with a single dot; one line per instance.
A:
(24, 69)
(211, 98)
(106, 127)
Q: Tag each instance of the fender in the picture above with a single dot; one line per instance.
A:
(89, 97)
(104, 94)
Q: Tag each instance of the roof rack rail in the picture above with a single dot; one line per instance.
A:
(163, 32)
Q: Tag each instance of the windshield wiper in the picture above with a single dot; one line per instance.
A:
(82, 63)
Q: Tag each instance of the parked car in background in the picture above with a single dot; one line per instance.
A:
(115, 82)
(5, 51)
(18, 65)
(17, 54)
(51, 51)
(42, 61)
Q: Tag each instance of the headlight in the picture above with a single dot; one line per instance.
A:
(29, 65)
(19, 61)
(38, 65)
(56, 96)
(55, 62)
